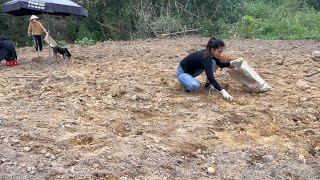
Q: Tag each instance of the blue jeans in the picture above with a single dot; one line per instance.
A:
(188, 80)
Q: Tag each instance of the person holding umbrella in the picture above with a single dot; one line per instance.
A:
(35, 29)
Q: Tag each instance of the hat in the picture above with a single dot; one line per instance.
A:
(33, 17)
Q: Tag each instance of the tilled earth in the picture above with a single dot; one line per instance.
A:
(116, 111)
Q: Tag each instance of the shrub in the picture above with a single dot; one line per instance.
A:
(85, 41)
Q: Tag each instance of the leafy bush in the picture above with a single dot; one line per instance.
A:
(85, 41)
(62, 43)
(167, 24)
(215, 29)
(247, 25)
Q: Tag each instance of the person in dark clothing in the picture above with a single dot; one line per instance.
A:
(205, 61)
(7, 50)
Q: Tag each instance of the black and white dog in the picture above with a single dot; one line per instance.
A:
(63, 51)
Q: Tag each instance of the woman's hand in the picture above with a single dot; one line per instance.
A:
(226, 95)
(236, 63)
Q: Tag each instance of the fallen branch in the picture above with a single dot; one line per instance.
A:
(179, 32)
(112, 28)
(24, 77)
(312, 74)
(192, 14)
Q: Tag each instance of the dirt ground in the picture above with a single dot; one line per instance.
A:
(116, 111)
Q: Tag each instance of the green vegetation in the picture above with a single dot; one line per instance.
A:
(132, 19)
(85, 41)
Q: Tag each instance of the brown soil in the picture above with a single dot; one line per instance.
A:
(116, 111)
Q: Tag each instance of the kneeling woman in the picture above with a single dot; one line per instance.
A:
(204, 61)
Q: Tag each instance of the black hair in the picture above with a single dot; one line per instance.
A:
(213, 43)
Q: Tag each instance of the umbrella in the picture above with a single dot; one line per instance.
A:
(35, 7)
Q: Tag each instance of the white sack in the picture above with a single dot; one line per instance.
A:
(250, 80)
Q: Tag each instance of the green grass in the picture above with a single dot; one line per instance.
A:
(280, 22)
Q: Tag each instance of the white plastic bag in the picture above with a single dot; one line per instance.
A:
(52, 42)
(251, 81)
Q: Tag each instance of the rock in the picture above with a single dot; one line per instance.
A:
(267, 158)
(309, 132)
(2, 161)
(316, 56)
(50, 156)
(26, 149)
(43, 151)
(303, 85)
(14, 142)
(299, 115)
(302, 158)
(135, 98)
(211, 170)
(96, 165)
(40, 167)
(71, 170)
(31, 169)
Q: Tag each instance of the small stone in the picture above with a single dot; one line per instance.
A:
(301, 158)
(2, 161)
(53, 157)
(71, 170)
(267, 158)
(135, 98)
(211, 170)
(40, 167)
(309, 132)
(15, 141)
(96, 165)
(50, 156)
(316, 56)
(43, 151)
(30, 169)
(26, 149)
